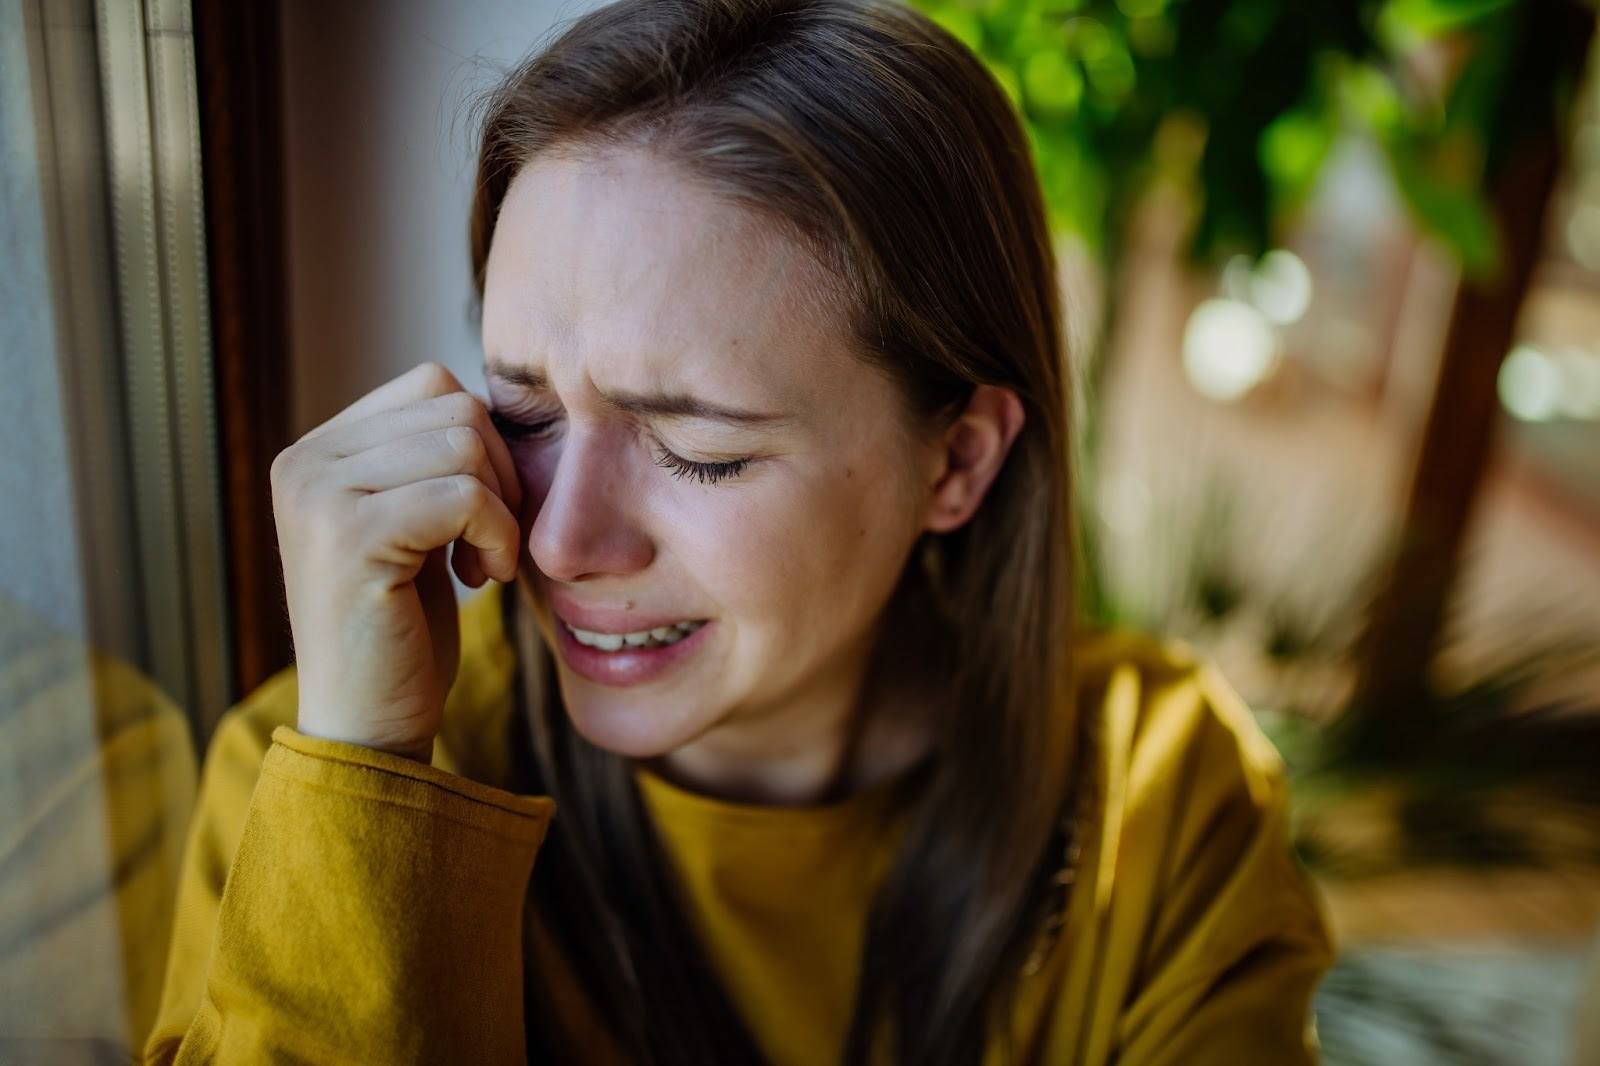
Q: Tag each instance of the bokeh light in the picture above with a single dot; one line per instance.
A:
(1280, 287)
(1541, 386)
(1229, 348)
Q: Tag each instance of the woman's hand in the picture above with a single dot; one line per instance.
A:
(365, 506)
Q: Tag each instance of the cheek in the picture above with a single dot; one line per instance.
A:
(729, 541)
(791, 555)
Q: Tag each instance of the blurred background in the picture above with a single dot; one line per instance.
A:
(1333, 285)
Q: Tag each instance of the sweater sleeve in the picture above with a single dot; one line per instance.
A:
(369, 908)
(1237, 944)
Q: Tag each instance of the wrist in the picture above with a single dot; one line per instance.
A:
(416, 751)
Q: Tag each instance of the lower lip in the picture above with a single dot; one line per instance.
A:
(631, 666)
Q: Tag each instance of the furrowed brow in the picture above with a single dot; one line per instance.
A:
(658, 405)
(520, 376)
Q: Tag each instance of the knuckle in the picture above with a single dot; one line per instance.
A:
(467, 443)
(284, 474)
(470, 490)
(435, 378)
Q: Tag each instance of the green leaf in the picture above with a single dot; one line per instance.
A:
(1091, 40)
(1293, 148)
(960, 22)
(1051, 83)
(1429, 18)
(1112, 74)
(1371, 94)
(1154, 38)
(1449, 208)
(1074, 183)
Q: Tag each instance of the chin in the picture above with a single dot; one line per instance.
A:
(634, 729)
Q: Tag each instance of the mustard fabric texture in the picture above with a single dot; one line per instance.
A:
(337, 904)
(97, 785)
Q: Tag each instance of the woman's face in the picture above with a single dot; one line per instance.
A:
(703, 456)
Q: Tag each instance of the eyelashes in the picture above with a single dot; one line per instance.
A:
(681, 468)
(705, 473)
(513, 430)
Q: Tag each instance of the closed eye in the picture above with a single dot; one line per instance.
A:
(705, 473)
(710, 473)
(513, 430)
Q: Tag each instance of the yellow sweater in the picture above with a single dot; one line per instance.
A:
(340, 904)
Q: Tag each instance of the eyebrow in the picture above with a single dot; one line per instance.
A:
(659, 404)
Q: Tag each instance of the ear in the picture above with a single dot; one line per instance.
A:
(973, 449)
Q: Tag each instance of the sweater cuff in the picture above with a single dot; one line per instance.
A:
(373, 913)
(380, 775)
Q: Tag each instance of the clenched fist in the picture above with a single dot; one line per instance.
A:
(366, 505)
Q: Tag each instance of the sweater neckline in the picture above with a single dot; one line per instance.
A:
(674, 803)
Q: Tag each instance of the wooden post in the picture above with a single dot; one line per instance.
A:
(241, 114)
(1525, 156)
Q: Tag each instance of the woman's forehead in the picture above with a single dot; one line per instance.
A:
(619, 255)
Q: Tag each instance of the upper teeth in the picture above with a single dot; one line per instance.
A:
(660, 635)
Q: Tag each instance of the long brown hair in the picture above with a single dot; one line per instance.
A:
(882, 145)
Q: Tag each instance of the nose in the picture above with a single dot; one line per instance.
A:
(586, 527)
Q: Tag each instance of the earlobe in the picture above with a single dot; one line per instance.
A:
(975, 448)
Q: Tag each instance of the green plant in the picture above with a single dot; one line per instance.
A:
(1237, 103)
(1491, 763)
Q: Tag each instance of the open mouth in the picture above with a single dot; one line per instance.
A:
(625, 659)
(644, 639)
